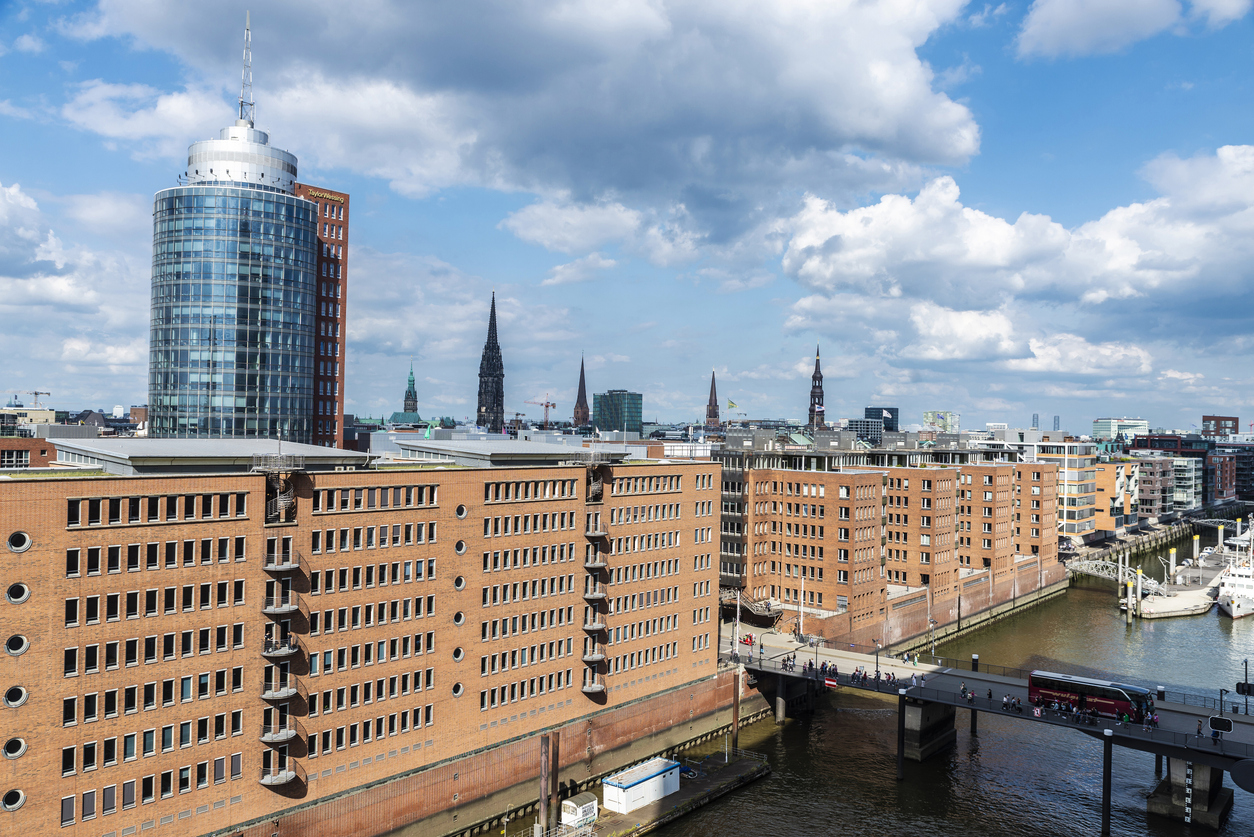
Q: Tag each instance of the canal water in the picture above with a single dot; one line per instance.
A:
(835, 769)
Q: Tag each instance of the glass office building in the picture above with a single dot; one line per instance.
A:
(233, 341)
(618, 409)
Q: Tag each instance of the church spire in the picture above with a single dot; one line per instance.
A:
(491, 414)
(411, 392)
(711, 409)
(817, 413)
(582, 418)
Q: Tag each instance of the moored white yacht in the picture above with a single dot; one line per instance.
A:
(1236, 588)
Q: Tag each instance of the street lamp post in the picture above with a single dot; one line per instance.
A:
(1247, 666)
(932, 624)
(877, 665)
(1222, 692)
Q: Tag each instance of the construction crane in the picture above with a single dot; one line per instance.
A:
(35, 393)
(546, 404)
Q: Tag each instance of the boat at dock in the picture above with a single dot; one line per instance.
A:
(1236, 582)
(1236, 590)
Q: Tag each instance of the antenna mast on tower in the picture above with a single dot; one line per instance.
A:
(246, 105)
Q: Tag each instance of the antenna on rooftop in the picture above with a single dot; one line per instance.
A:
(246, 104)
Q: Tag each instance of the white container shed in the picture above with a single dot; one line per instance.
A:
(636, 786)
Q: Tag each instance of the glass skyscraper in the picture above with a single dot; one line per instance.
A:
(235, 253)
(618, 409)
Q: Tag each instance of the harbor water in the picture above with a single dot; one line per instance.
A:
(835, 769)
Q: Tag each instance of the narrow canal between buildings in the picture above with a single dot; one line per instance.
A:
(835, 769)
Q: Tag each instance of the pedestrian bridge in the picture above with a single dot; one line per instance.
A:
(1192, 790)
(1116, 572)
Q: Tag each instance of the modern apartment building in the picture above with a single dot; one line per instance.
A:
(222, 638)
(1156, 486)
(1189, 480)
(1112, 428)
(1220, 427)
(1118, 496)
(1077, 483)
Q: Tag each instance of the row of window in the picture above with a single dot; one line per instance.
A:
(502, 594)
(523, 689)
(526, 623)
(349, 657)
(111, 510)
(94, 559)
(106, 753)
(524, 656)
(359, 694)
(526, 524)
(370, 615)
(147, 789)
(501, 492)
(646, 656)
(531, 557)
(348, 736)
(370, 537)
(623, 515)
(359, 499)
(155, 601)
(649, 485)
(169, 646)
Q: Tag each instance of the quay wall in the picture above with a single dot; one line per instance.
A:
(980, 598)
(472, 793)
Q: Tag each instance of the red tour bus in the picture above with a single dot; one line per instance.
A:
(1109, 699)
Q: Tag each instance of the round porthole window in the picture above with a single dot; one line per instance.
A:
(15, 696)
(16, 644)
(458, 654)
(457, 690)
(12, 800)
(459, 618)
(14, 747)
(459, 583)
(17, 593)
(461, 512)
(19, 542)
(460, 547)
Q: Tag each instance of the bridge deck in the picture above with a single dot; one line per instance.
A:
(1175, 737)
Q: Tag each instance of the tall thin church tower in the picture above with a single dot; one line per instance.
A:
(491, 414)
(411, 393)
(582, 417)
(817, 413)
(711, 409)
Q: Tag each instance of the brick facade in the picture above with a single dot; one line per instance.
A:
(168, 649)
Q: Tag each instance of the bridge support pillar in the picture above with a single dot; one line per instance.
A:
(929, 728)
(1193, 793)
(781, 699)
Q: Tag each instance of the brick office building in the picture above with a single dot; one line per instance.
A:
(884, 551)
(331, 316)
(202, 648)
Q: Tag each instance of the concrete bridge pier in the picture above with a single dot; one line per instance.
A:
(781, 698)
(1193, 793)
(929, 728)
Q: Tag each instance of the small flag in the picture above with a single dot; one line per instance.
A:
(831, 682)
(731, 405)
(887, 414)
(427, 435)
(819, 408)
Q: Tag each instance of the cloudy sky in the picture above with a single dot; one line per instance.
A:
(994, 208)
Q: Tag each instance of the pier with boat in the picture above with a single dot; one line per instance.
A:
(1220, 575)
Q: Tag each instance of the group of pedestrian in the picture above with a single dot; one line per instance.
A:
(1010, 703)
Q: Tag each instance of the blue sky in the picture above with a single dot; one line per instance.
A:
(991, 208)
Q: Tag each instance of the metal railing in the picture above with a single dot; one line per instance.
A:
(290, 772)
(281, 688)
(281, 604)
(290, 560)
(280, 732)
(280, 647)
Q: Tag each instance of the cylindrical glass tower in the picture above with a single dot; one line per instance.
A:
(233, 296)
